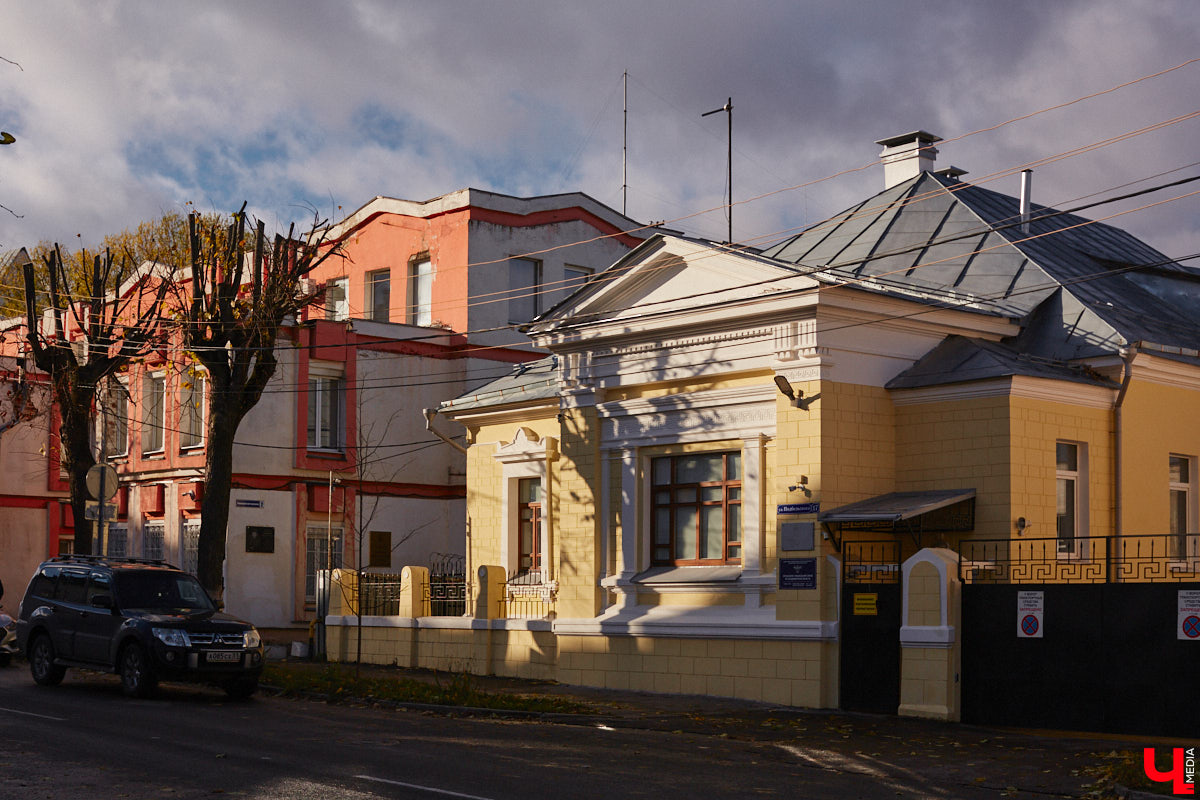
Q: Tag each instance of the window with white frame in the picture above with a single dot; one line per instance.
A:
(323, 551)
(337, 299)
(1070, 495)
(154, 393)
(154, 541)
(1182, 493)
(420, 291)
(524, 289)
(379, 295)
(575, 277)
(326, 412)
(115, 431)
(529, 526)
(191, 409)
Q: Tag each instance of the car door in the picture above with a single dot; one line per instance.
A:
(97, 623)
(69, 599)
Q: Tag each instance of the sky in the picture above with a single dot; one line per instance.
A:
(123, 111)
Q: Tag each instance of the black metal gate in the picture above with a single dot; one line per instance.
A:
(1109, 657)
(869, 627)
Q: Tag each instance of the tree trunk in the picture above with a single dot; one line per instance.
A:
(76, 453)
(223, 422)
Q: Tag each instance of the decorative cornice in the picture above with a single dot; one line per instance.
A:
(1066, 392)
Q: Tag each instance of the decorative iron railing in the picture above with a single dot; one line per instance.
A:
(447, 588)
(871, 562)
(1160, 558)
(379, 594)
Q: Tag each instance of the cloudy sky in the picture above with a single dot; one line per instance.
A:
(124, 110)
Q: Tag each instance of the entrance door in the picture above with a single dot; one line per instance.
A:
(869, 627)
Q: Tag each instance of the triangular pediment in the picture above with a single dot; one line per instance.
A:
(673, 274)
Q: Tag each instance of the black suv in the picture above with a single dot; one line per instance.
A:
(143, 620)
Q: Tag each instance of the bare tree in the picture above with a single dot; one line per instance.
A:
(110, 324)
(230, 325)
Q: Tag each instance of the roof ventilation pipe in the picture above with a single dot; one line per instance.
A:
(1026, 191)
(906, 156)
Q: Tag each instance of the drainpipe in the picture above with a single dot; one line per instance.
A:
(430, 413)
(1115, 543)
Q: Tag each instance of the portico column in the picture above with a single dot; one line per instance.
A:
(752, 458)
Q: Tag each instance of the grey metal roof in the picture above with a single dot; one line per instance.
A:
(532, 380)
(896, 506)
(957, 359)
(964, 243)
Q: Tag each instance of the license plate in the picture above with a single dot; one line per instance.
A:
(223, 657)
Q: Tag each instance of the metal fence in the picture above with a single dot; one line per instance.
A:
(1158, 558)
(379, 594)
(871, 562)
(447, 585)
(528, 596)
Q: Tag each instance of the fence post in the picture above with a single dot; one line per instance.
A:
(489, 600)
(414, 592)
(343, 593)
(930, 641)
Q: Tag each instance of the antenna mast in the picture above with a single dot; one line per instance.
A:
(728, 109)
(625, 150)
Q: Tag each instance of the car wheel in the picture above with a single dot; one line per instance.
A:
(242, 688)
(41, 663)
(137, 678)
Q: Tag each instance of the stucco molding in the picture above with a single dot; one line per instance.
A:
(737, 413)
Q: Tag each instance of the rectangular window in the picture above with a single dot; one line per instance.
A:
(697, 509)
(116, 421)
(326, 407)
(118, 541)
(317, 556)
(1067, 479)
(191, 546)
(574, 277)
(379, 295)
(154, 394)
(1183, 499)
(420, 291)
(153, 539)
(524, 288)
(380, 554)
(529, 526)
(337, 299)
(191, 409)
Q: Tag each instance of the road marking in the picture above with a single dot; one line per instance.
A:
(31, 714)
(422, 788)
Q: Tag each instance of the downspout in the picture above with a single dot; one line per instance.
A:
(1115, 543)
(430, 413)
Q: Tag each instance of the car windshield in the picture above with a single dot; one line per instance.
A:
(162, 591)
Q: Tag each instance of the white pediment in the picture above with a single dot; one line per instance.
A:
(671, 274)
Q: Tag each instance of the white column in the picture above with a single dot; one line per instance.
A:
(627, 555)
(752, 493)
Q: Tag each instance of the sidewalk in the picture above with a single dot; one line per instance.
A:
(1011, 763)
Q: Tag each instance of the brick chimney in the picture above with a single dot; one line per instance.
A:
(907, 156)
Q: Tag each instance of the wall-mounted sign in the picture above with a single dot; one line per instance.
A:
(260, 539)
(866, 604)
(1188, 628)
(798, 508)
(1030, 610)
(797, 535)
(797, 573)
(248, 503)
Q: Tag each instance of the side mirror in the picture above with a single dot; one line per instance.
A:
(103, 601)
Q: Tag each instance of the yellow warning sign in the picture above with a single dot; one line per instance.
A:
(866, 604)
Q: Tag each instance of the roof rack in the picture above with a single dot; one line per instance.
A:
(157, 562)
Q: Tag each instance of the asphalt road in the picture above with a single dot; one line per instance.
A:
(85, 739)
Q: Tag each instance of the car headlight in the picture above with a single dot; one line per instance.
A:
(172, 637)
(252, 639)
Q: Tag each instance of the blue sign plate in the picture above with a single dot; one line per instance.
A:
(798, 508)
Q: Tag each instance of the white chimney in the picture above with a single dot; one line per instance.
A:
(1026, 197)
(907, 156)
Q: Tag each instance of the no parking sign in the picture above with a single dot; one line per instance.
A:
(1030, 606)
(1188, 628)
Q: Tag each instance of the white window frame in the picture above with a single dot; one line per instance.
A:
(319, 385)
(524, 295)
(337, 299)
(192, 415)
(1187, 537)
(575, 277)
(1077, 547)
(420, 291)
(113, 426)
(378, 309)
(318, 540)
(525, 457)
(154, 402)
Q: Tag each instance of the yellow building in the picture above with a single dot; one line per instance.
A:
(791, 475)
